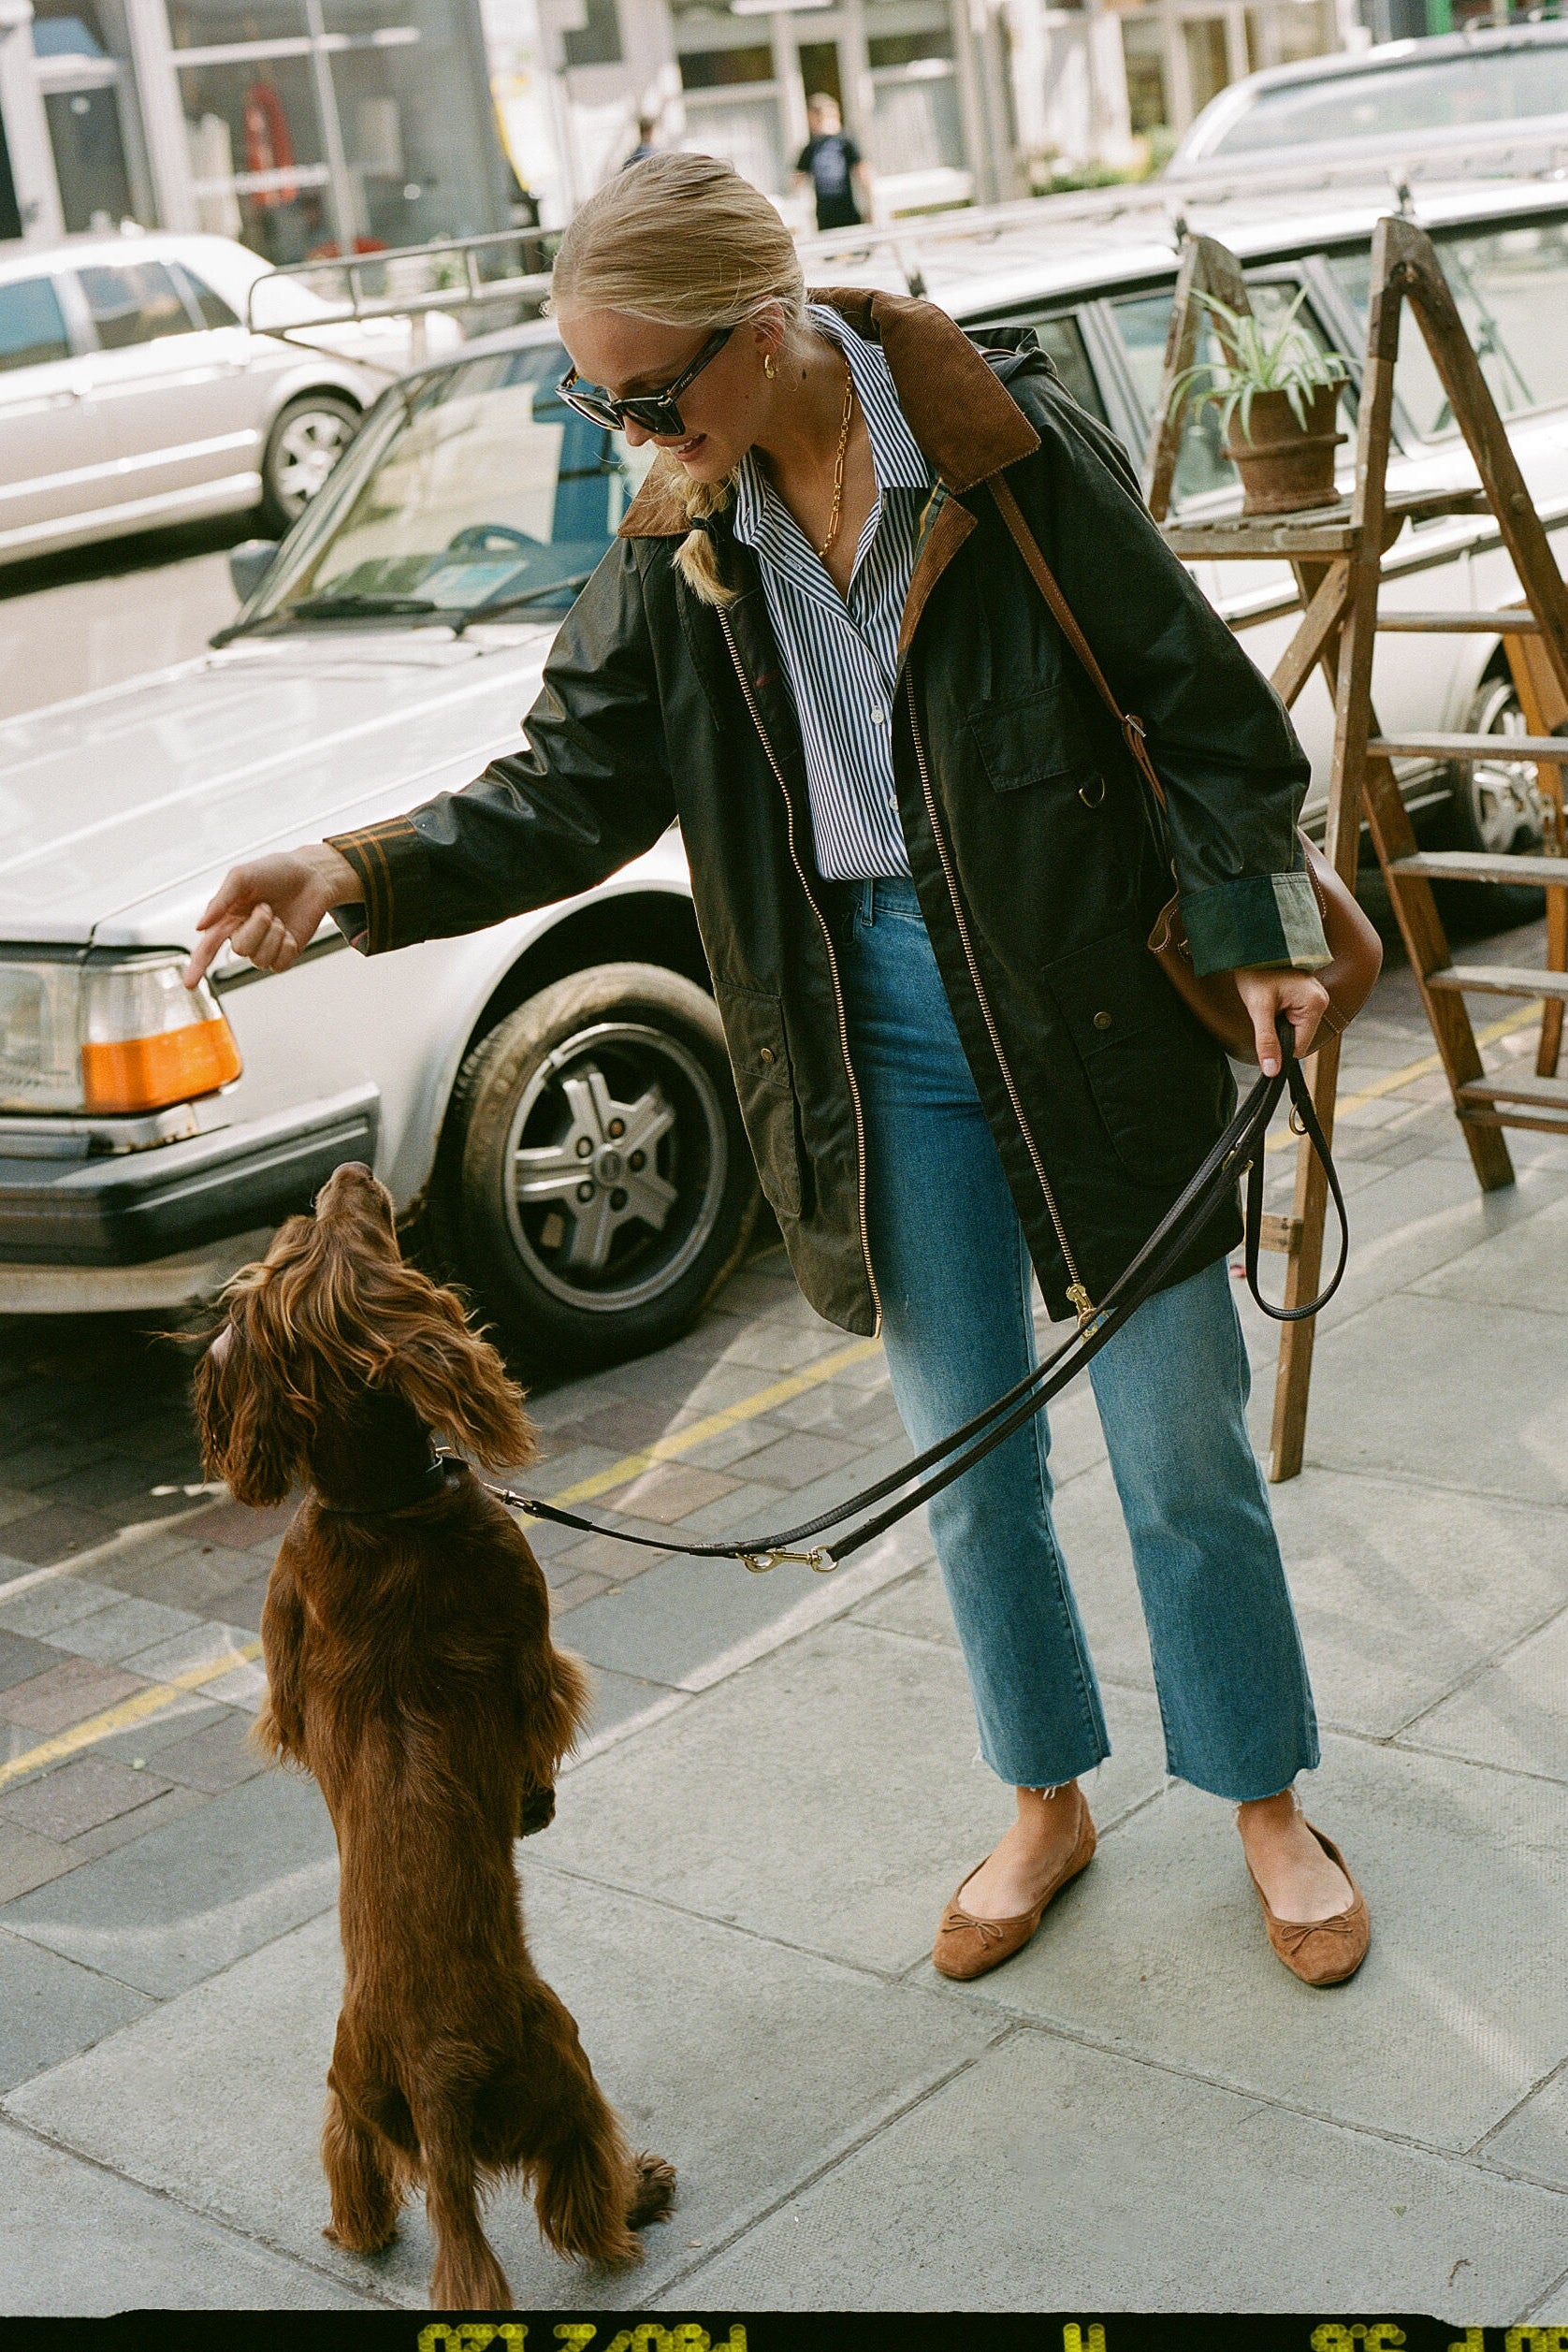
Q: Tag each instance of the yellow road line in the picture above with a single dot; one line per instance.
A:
(144, 1703)
(1285, 1140)
(665, 1449)
(136, 1709)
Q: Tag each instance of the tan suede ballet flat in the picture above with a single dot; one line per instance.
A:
(1321, 1950)
(967, 1946)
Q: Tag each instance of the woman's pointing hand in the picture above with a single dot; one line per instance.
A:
(272, 908)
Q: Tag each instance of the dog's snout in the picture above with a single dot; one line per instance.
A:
(352, 1183)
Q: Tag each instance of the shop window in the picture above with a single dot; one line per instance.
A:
(1208, 63)
(722, 68)
(31, 325)
(1143, 49)
(136, 304)
(909, 49)
(598, 41)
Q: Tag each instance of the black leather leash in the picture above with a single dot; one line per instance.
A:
(1239, 1151)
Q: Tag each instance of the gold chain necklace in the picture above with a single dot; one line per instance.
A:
(838, 465)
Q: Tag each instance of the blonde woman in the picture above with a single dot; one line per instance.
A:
(924, 870)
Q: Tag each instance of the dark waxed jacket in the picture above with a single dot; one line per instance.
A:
(1037, 860)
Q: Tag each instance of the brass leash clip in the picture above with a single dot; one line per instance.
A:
(820, 1560)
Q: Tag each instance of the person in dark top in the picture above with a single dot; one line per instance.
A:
(831, 162)
(647, 125)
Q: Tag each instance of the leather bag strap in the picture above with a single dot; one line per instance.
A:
(1062, 613)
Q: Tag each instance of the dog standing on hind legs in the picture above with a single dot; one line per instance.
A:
(410, 1669)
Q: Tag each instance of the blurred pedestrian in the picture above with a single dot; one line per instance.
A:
(830, 165)
(647, 125)
(924, 869)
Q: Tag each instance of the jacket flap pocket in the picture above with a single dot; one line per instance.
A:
(754, 1033)
(1041, 735)
(760, 1057)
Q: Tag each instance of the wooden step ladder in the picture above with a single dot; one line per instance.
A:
(1336, 556)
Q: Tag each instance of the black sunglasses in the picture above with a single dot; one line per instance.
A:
(655, 412)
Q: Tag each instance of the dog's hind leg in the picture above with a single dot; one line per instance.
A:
(364, 2199)
(466, 2276)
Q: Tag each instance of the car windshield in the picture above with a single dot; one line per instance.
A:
(1443, 94)
(477, 487)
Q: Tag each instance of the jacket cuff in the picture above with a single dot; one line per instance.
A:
(391, 866)
(1261, 919)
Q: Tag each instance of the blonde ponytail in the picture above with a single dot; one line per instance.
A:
(682, 240)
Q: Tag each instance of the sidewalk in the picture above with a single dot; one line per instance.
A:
(737, 1900)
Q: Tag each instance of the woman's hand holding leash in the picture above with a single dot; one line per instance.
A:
(270, 911)
(1267, 993)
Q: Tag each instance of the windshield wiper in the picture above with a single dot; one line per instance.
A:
(515, 603)
(352, 603)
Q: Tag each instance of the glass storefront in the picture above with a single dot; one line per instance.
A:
(318, 127)
(304, 127)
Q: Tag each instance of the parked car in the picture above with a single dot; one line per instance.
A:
(1494, 87)
(387, 651)
(132, 392)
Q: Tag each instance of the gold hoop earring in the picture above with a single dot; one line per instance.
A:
(768, 368)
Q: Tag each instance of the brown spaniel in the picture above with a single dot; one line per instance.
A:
(411, 1670)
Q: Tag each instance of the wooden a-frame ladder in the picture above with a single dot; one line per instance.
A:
(1336, 555)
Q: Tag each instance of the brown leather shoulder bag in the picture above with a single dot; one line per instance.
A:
(1355, 950)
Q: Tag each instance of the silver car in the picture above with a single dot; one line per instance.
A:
(132, 393)
(1494, 99)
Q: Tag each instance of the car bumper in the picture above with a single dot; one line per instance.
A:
(132, 1226)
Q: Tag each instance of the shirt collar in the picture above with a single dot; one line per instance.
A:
(896, 456)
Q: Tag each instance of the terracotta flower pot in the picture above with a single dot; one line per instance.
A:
(1285, 468)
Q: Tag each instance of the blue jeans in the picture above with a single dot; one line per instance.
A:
(1171, 1387)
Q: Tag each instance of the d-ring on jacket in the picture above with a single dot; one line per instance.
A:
(1032, 843)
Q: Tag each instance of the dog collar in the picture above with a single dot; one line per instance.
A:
(428, 1482)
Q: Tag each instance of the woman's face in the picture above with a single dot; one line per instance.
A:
(723, 409)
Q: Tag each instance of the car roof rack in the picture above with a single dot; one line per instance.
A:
(451, 273)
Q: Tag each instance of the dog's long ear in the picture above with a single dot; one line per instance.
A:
(255, 1427)
(457, 1384)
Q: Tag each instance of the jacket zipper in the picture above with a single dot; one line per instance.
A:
(833, 958)
(1078, 1296)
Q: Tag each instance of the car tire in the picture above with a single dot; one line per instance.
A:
(641, 1190)
(307, 438)
(1493, 805)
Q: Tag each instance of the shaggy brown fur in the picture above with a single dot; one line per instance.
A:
(410, 1669)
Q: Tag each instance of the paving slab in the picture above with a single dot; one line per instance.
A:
(1410, 1225)
(80, 1795)
(188, 1899)
(1050, 2177)
(831, 1796)
(115, 1634)
(216, 1755)
(27, 1860)
(66, 1695)
(44, 1609)
(1454, 1390)
(49, 2009)
(1534, 2140)
(1515, 1713)
(78, 2241)
(22, 1658)
(1524, 1265)
(691, 2028)
(1460, 2010)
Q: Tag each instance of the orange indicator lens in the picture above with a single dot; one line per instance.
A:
(146, 1073)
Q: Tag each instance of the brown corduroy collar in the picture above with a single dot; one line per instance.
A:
(965, 419)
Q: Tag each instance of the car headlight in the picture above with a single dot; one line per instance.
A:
(109, 1037)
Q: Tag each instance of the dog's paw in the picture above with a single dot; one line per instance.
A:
(536, 1811)
(653, 2191)
(370, 2242)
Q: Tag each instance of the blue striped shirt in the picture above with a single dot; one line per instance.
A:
(840, 653)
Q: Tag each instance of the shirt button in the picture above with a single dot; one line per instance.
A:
(876, 714)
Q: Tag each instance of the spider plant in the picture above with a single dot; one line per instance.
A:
(1257, 358)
